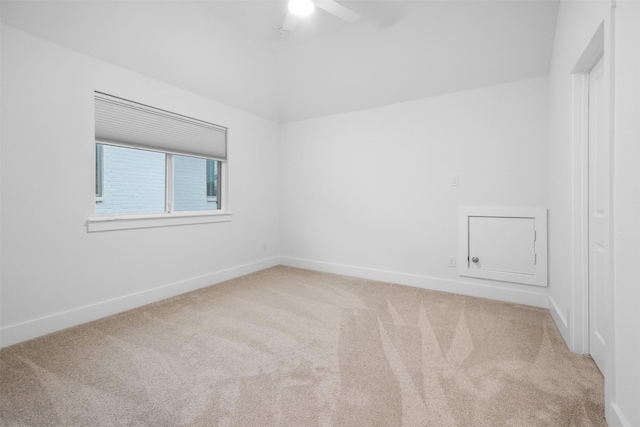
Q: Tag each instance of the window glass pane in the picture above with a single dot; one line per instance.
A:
(98, 170)
(191, 177)
(212, 178)
(133, 181)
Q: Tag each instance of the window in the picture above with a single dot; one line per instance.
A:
(153, 167)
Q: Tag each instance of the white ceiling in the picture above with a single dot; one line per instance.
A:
(232, 51)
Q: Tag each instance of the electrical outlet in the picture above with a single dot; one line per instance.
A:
(264, 246)
(455, 180)
(452, 261)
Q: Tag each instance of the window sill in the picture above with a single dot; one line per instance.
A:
(128, 222)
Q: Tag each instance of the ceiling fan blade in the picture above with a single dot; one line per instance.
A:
(337, 9)
(290, 22)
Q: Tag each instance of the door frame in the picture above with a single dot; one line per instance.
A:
(600, 46)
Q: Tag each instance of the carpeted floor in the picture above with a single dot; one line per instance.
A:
(289, 347)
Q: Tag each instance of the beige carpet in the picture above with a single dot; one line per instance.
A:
(289, 347)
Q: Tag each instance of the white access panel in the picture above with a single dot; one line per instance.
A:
(506, 244)
(502, 244)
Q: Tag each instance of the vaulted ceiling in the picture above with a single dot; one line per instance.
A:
(232, 51)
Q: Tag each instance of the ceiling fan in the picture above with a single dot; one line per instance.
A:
(305, 7)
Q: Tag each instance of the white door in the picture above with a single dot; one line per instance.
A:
(597, 216)
(502, 244)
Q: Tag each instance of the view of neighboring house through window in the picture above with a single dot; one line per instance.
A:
(191, 184)
(150, 161)
(212, 179)
(133, 181)
(98, 171)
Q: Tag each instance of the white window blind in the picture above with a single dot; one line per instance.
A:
(120, 121)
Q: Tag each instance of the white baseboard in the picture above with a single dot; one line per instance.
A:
(617, 418)
(14, 334)
(518, 296)
(560, 320)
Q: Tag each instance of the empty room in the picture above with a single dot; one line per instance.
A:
(320, 213)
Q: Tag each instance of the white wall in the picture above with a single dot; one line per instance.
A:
(368, 193)
(626, 200)
(54, 273)
(577, 24)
